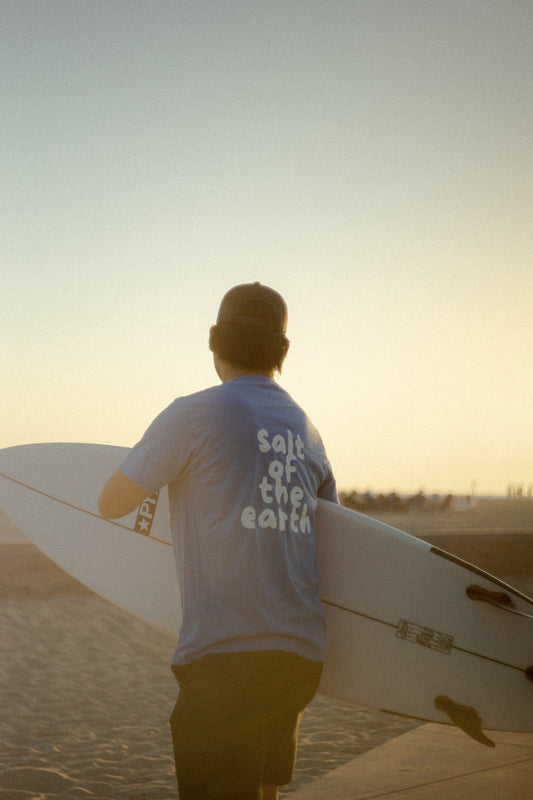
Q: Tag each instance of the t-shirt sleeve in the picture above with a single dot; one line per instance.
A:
(328, 489)
(162, 455)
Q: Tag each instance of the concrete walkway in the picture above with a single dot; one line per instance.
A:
(433, 762)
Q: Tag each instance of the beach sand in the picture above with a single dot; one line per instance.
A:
(87, 692)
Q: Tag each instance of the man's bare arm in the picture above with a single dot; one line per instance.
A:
(120, 496)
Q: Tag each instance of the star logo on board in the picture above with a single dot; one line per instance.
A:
(144, 526)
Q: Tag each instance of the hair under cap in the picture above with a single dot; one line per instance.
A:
(254, 305)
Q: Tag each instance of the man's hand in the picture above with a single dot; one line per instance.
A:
(120, 496)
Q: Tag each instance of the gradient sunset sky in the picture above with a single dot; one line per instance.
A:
(372, 161)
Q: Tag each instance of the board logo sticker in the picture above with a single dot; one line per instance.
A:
(145, 515)
(425, 637)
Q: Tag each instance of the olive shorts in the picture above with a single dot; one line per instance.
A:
(235, 723)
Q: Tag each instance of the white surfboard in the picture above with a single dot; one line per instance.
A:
(411, 629)
(50, 491)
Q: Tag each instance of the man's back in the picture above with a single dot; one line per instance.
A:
(244, 467)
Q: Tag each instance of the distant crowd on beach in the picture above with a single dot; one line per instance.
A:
(394, 502)
(518, 490)
(367, 502)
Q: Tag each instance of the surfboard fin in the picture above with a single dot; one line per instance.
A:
(499, 599)
(465, 717)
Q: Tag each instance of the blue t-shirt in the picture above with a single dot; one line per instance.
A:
(244, 467)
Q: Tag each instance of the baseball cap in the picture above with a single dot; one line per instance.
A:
(254, 305)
